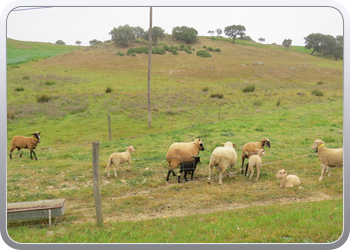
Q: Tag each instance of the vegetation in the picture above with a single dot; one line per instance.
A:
(286, 43)
(249, 88)
(140, 200)
(185, 34)
(234, 30)
(202, 53)
(157, 34)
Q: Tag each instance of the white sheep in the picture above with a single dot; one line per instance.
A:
(222, 158)
(181, 152)
(329, 157)
(30, 143)
(255, 161)
(119, 158)
(288, 180)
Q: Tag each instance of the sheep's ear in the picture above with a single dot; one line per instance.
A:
(233, 144)
(222, 143)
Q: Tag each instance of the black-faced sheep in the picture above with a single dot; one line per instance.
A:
(222, 158)
(288, 180)
(119, 158)
(250, 149)
(188, 168)
(329, 157)
(30, 143)
(180, 152)
(255, 161)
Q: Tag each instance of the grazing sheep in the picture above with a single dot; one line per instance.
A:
(181, 152)
(287, 180)
(329, 157)
(119, 158)
(30, 143)
(222, 158)
(188, 168)
(255, 161)
(250, 149)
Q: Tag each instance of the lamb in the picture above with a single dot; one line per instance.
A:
(181, 152)
(30, 143)
(188, 168)
(288, 180)
(250, 149)
(255, 161)
(222, 158)
(329, 157)
(119, 158)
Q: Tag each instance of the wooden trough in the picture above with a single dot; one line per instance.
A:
(35, 209)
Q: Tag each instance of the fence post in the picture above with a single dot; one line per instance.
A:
(96, 182)
(109, 127)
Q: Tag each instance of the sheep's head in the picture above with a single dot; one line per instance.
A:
(196, 159)
(36, 136)
(130, 149)
(261, 152)
(199, 144)
(265, 142)
(281, 174)
(317, 144)
(230, 144)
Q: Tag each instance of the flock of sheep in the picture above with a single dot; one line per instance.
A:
(185, 155)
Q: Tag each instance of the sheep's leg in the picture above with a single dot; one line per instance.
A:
(186, 172)
(330, 171)
(32, 151)
(242, 167)
(115, 169)
(11, 153)
(220, 176)
(252, 172)
(323, 168)
(210, 169)
(246, 169)
(258, 173)
(179, 176)
(20, 153)
(192, 175)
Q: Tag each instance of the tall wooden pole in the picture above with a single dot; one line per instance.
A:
(96, 182)
(109, 128)
(149, 70)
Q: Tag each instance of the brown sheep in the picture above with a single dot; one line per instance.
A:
(250, 149)
(30, 143)
(181, 152)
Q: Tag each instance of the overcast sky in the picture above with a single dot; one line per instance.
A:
(84, 24)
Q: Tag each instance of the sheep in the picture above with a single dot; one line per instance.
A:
(181, 152)
(329, 157)
(255, 161)
(119, 158)
(288, 180)
(188, 168)
(30, 143)
(250, 149)
(222, 158)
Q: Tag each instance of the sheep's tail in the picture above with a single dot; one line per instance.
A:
(110, 161)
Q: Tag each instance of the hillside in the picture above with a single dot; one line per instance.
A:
(296, 99)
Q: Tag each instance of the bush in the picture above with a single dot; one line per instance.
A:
(319, 83)
(203, 53)
(11, 115)
(249, 88)
(120, 53)
(157, 50)
(43, 98)
(317, 92)
(204, 47)
(108, 90)
(19, 89)
(219, 96)
(25, 77)
(217, 50)
(48, 83)
(133, 54)
(210, 49)
(205, 89)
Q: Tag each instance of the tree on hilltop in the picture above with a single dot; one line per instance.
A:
(94, 42)
(157, 34)
(138, 32)
(60, 42)
(78, 42)
(185, 34)
(286, 43)
(210, 32)
(218, 31)
(261, 39)
(234, 30)
(122, 35)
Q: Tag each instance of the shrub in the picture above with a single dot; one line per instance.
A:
(217, 95)
(133, 54)
(43, 98)
(217, 50)
(259, 129)
(108, 90)
(205, 89)
(210, 49)
(157, 50)
(19, 89)
(166, 47)
(203, 53)
(204, 47)
(48, 83)
(249, 88)
(11, 115)
(317, 92)
(25, 77)
(319, 83)
(120, 53)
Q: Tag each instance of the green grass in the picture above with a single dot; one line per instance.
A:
(293, 223)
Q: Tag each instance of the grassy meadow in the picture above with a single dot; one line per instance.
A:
(297, 99)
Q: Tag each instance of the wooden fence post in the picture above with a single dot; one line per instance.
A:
(96, 182)
(109, 127)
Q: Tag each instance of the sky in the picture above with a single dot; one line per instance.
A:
(71, 24)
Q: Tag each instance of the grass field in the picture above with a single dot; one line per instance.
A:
(185, 106)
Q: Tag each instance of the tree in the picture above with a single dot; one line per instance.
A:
(157, 34)
(94, 42)
(286, 43)
(60, 42)
(211, 32)
(123, 35)
(234, 30)
(314, 41)
(77, 42)
(218, 31)
(185, 34)
(138, 32)
(261, 39)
